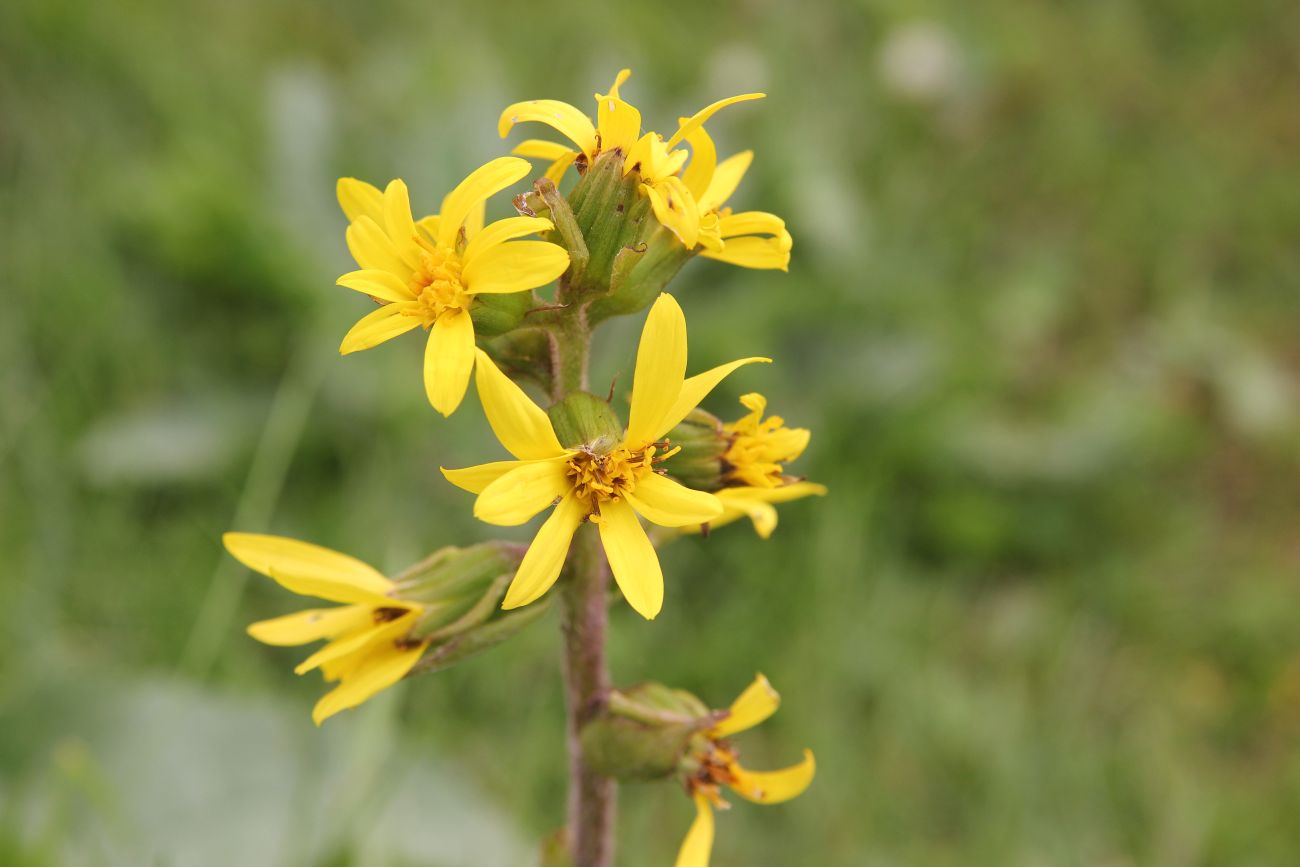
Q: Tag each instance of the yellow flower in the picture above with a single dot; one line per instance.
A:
(427, 274)
(618, 129)
(716, 766)
(369, 647)
(736, 238)
(608, 483)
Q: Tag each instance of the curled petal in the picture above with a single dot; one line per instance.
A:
(540, 149)
(773, 787)
(704, 160)
(758, 702)
(560, 116)
(699, 839)
(726, 177)
(751, 252)
(698, 119)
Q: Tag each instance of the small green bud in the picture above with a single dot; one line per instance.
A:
(583, 419)
(703, 442)
(645, 265)
(603, 205)
(643, 733)
(495, 313)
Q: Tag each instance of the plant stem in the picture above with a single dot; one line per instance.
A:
(592, 797)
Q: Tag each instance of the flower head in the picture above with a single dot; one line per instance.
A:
(370, 644)
(428, 273)
(715, 764)
(605, 479)
(657, 162)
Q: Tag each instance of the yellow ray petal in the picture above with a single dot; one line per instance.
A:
(313, 624)
(347, 645)
(485, 181)
(632, 558)
(518, 495)
(761, 513)
(382, 668)
(475, 479)
(669, 504)
(704, 160)
(696, 388)
(675, 209)
(428, 226)
(545, 556)
(540, 149)
(618, 123)
(758, 702)
(515, 266)
(773, 787)
(699, 839)
(726, 177)
(448, 360)
(698, 119)
(752, 252)
(358, 198)
(560, 116)
(308, 569)
(372, 248)
(752, 223)
(380, 284)
(379, 326)
(502, 231)
(520, 425)
(398, 223)
(660, 371)
(555, 171)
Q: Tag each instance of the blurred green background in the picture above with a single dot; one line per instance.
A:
(1041, 318)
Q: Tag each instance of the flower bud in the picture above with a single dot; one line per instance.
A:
(703, 442)
(645, 732)
(497, 313)
(583, 419)
(609, 212)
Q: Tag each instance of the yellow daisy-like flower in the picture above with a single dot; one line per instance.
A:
(608, 483)
(369, 648)
(427, 274)
(618, 128)
(717, 766)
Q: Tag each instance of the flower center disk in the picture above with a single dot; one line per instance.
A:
(598, 477)
(436, 284)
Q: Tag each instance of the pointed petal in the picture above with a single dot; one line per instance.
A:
(773, 787)
(618, 123)
(726, 177)
(448, 360)
(669, 504)
(502, 231)
(697, 120)
(521, 425)
(632, 558)
(372, 248)
(560, 116)
(699, 839)
(545, 557)
(515, 266)
(540, 149)
(398, 223)
(379, 284)
(517, 496)
(704, 160)
(475, 479)
(313, 624)
(381, 668)
(758, 702)
(358, 198)
(379, 326)
(660, 372)
(349, 644)
(308, 569)
(485, 181)
(698, 387)
(770, 254)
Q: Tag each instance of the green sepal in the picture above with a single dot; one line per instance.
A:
(649, 266)
(703, 442)
(495, 314)
(582, 419)
(643, 733)
(603, 202)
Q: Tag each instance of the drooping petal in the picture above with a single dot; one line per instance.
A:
(545, 556)
(753, 223)
(632, 558)
(358, 641)
(382, 667)
(540, 149)
(555, 171)
(758, 702)
(660, 372)
(475, 479)
(771, 254)
(358, 198)
(698, 119)
(380, 284)
(761, 513)
(518, 495)
(726, 177)
(521, 425)
(696, 388)
(379, 326)
(773, 787)
(675, 209)
(560, 116)
(699, 839)
(308, 569)
(313, 624)
(398, 223)
(704, 160)
(515, 266)
(669, 504)
(485, 181)
(502, 231)
(448, 360)
(372, 248)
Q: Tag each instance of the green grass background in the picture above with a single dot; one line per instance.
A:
(1041, 318)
